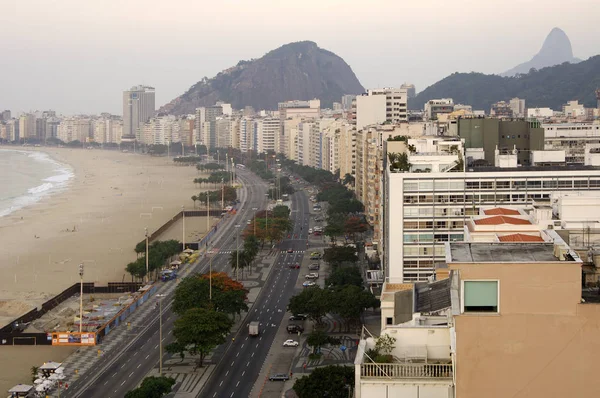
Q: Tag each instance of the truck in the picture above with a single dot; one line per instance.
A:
(253, 328)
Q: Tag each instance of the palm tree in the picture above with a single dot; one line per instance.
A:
(194, 198)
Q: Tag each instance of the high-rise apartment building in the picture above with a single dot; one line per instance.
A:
(205, 124)
(517, 106)
(75, 129)
(138, 108)
(381, 105)
(5, 115)
(424, 210)
(27, 126)
(267, 131)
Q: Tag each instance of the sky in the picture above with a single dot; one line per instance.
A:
(77, 57)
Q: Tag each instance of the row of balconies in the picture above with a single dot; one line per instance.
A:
(406, 370)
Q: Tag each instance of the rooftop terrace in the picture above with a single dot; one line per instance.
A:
(504, 252)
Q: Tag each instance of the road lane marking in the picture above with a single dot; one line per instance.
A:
(221, 383)
(123, 383)
(232, 362)
(147, 356)
(243, 373)
(106, 382)
(135, 353)
(252, 356)
(226, 373)
(131, 374)
(114, 374)
(122, 366)
(139, 366)
(156, 347)
(238, 383)
(248, 364)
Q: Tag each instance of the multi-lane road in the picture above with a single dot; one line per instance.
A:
(239, 366)
(124, 370)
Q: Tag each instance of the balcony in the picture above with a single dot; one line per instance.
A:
(406, 370)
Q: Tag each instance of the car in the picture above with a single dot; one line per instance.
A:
(315, 253)
(308, 284)
(310, 230)
(295, 266)
(312, 275)
(290, 343)
(295, 329)
(249, 222)
(314, 267)
(298, 317)
(279, 377)
(290, 250)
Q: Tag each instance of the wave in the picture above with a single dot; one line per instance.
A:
(59, 181)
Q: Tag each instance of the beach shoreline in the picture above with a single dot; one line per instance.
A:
(96, 220)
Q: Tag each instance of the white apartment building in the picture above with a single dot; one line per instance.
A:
(205, 126)
(540, 113)
(435, 107)
(247, 134)
(380, 106)
(518, 107)
(107, 130)
(571, 138)
(74, 129)
(267, 131)
(27, 126)
(422, 211)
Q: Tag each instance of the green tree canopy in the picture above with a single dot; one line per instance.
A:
(193, 292)
(337, 255)
(318, 338)
(313, 301)
(327, 381)
(198, 331)
(152, 387)
(341, 276)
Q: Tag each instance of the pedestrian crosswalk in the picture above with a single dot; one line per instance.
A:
(295, 251)
(233, 251)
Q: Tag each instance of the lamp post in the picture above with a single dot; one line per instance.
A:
(254, 209)
(267, 212)
(183, 235)
(210, 278)
(81, 298)
(222, 194)
(207, 212)
(146, 235)
(160, 351)
(237, 251)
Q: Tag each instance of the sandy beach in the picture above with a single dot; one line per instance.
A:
(97, 220)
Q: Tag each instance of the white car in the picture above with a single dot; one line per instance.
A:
(312, 275)
(308, 284)
(290, 343)
(310, 230)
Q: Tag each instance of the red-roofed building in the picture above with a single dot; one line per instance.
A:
(520, 238)
(498, 220)
(501, 211)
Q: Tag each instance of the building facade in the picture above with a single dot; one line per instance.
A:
(138, 108)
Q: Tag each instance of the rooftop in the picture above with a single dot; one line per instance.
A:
(432, 297)
(501, 211)
(498, 220)
(503, 252)
(520, 238)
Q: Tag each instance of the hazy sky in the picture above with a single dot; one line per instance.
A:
(77, 56)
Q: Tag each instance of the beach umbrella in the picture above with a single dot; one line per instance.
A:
(39, 388)
(38, 381)
(59, 370)
(61, 377)
(53, 376)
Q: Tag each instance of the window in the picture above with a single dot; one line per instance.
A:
(389, 321)
(480, 296)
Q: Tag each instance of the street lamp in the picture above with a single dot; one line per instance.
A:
(267, 212)
(237, 251)
(160, 352)
(146, 235)
(183, 236)
(255, 208)
(222, 194)
(81, 298)
(210, 277)
(207, 212)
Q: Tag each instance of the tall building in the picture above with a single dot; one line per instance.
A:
(517, 106)
(138, 108)
(502, 109)
(381, 105)
(424, 210)
(411, 91)
(267, 131)
(75, 129)
(27, 126)
(205, 124)
(5, 115)
(347, 101)
(573, 109)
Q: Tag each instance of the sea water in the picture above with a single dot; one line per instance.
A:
(26, 177)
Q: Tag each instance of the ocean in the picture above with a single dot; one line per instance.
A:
(26, 177)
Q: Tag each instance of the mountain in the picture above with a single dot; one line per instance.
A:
(555, 50)
(548, 87)
(295, 71)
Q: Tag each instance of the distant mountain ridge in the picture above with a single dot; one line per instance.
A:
(548, 87)
(555, 50)
(295, 71)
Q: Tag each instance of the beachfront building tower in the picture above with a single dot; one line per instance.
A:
(138, 108)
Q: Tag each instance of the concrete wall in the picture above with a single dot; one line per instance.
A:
(403, 306)
(543, 342)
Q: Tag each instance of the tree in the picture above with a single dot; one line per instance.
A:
(281, 211)
(194, 198)
(327, 381)
(345, 276)
(339, 254)
(348, 179)
(313, 301)
(152, 387)
(228, 296)
(385, 343)
(350, 301)
(319, 338)
(355, 225)
(199, 330)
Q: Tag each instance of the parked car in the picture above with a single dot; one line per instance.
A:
(314, 267)
(315, 253)
(308, 284)
(312, 275)
(279, 377)
(290, 343)
(298, 317)
(295, 329)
